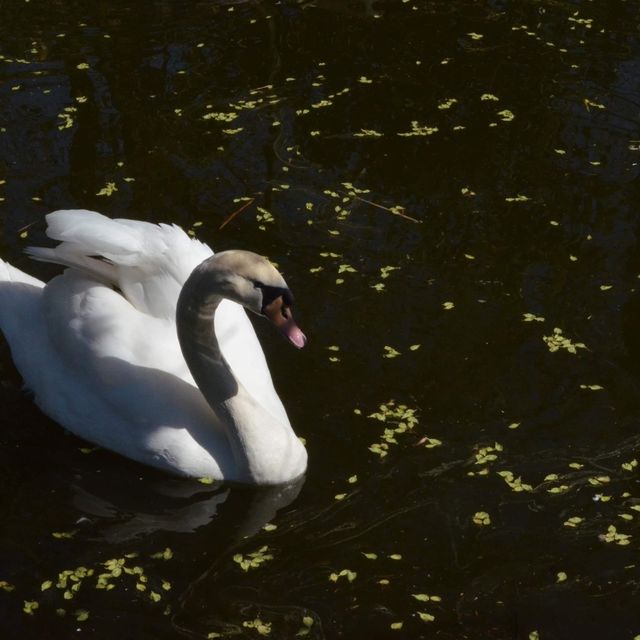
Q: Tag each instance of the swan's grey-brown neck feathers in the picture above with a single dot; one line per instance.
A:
(251, 429)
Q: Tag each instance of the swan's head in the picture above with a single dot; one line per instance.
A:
(253, 282)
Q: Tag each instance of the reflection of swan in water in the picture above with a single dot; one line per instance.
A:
(180, 507)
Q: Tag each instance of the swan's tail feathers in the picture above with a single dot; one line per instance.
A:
(19, 296)
(63, 254)
(8, 273)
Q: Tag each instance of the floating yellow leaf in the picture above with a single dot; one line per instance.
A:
(263, 628)
(63, 535)
(559, 489)
(30, 606)
(167, 554)
(574, 521)
(481, 518)
(108, 189)
(592, 104)
(425, 617)
(506, 115)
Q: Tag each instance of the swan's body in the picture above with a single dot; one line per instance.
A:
(112, 349)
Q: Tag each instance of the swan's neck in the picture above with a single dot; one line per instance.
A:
(199, 343)
(262, 446)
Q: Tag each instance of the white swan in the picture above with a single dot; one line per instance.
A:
(142, 347)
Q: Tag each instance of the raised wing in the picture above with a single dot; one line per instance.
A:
(148, 262)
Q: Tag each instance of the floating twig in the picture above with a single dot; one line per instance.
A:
(26, 227)
(236, 212)
(395, 213)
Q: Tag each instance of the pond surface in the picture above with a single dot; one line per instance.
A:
(451, 189)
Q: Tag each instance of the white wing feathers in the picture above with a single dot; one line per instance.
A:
(149, 263)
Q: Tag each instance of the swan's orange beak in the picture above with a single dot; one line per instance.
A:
(281, 316)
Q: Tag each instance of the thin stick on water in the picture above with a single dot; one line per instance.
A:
(395, 213)
(236, 212)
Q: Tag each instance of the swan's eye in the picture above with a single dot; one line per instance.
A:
(257, 284)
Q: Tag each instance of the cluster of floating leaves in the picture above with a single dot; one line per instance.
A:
(514, 483)
(66, 118)
(614, 536)
(397, 419)
(485, 456)
(254, 559)
(557, 341)
(110, 574)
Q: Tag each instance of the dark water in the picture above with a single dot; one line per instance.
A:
(505, 503)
